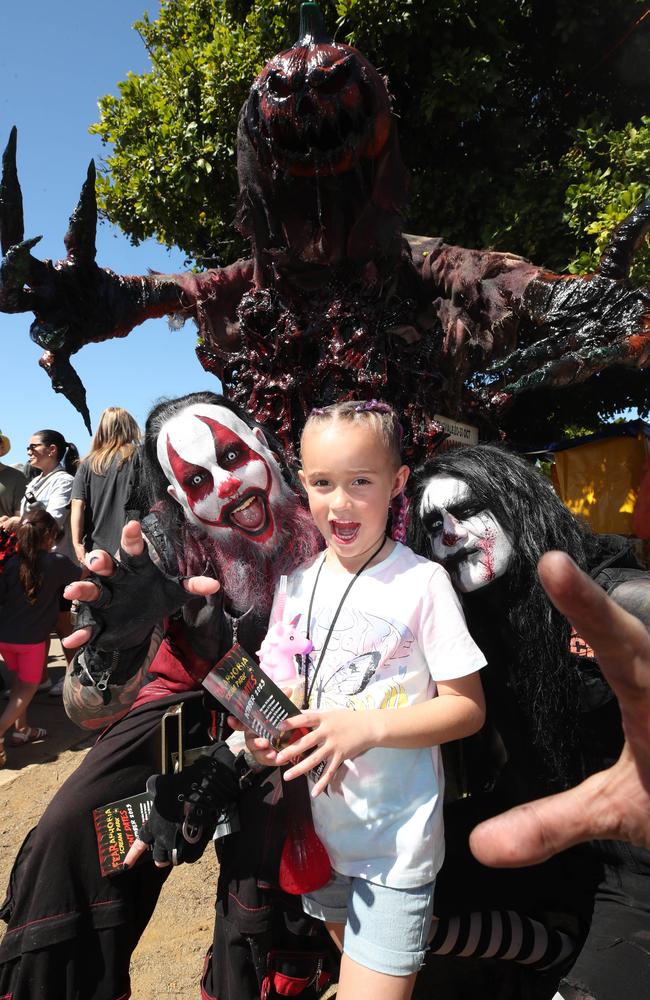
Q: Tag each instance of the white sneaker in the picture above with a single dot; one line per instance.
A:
(57, 688)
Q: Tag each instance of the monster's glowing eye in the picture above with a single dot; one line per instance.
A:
(279, 84)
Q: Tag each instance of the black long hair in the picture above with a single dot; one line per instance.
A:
(544, 679)
(66, 452)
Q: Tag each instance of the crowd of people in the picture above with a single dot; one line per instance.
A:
(501, 700)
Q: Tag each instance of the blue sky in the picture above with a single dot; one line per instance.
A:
(56, 60)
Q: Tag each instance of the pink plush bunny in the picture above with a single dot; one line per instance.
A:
(282, 642)
(276, 654)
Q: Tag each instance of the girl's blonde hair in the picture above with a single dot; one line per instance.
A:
(385, 422)
(116, 439)
(381, 416)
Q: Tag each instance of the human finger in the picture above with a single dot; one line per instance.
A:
(619, 640)
(535, 831)
(325, 777)
(201, 586)
(305, 764)
(135, 852)
(305, 741)
(100, 562)
(82, 590)
(305, 720)
(160, 856)
(77, 638)
(131, 540)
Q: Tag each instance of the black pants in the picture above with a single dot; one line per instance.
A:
(614, 963)
(71, 932)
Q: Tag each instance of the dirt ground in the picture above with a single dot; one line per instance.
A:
(169, 958)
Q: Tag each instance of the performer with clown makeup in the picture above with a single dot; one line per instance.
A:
(228, 523)
(488, 516)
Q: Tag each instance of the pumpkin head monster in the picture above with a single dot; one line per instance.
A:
(321, 180)
(320, 108)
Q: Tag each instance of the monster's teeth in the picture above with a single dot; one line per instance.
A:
(244, 505)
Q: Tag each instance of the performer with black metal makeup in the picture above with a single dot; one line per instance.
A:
(228, 522)
(552, 720)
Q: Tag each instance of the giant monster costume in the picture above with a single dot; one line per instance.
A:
(488, 516)
(225, 507)
(335, 302)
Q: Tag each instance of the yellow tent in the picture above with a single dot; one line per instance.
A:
(599, 477)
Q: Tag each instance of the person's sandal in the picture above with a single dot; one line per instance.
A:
(32, 734)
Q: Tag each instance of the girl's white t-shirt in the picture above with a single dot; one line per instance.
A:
(400, 629)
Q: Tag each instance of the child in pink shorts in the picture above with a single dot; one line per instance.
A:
(30, 586)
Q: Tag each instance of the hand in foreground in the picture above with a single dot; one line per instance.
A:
(128, 597)
(613, 804)
(185, 809)
(332, 738)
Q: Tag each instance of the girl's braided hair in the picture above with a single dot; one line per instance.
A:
(385, 422)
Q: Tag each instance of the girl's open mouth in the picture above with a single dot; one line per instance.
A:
(345, 532)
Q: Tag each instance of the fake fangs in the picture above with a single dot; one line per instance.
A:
(249, 515)
(345, 531)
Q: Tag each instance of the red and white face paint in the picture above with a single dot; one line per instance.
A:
(470, 543)
(220, 472)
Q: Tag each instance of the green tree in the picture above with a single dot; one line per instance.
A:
(521, 120)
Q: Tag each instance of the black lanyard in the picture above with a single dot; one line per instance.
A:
(310, 687)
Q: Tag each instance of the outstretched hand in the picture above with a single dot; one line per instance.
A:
(133, 574)
(613, 804)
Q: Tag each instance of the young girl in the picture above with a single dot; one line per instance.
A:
(30, 586)
(388, 634)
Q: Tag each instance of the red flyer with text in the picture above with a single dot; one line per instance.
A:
(116, 827)
(242, 687)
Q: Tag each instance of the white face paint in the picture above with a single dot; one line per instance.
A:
(470, 543)
(220, 472)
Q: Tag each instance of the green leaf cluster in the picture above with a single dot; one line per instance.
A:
(510, 115)
(612, 167)
(171, 169)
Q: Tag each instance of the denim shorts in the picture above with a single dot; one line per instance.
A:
(386, 929)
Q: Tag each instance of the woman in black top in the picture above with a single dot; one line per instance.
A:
(106, 483)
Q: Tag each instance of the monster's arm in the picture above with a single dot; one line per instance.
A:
(488, 303)
(75, 302)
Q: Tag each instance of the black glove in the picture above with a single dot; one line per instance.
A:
(131, 602)
(186, 805)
